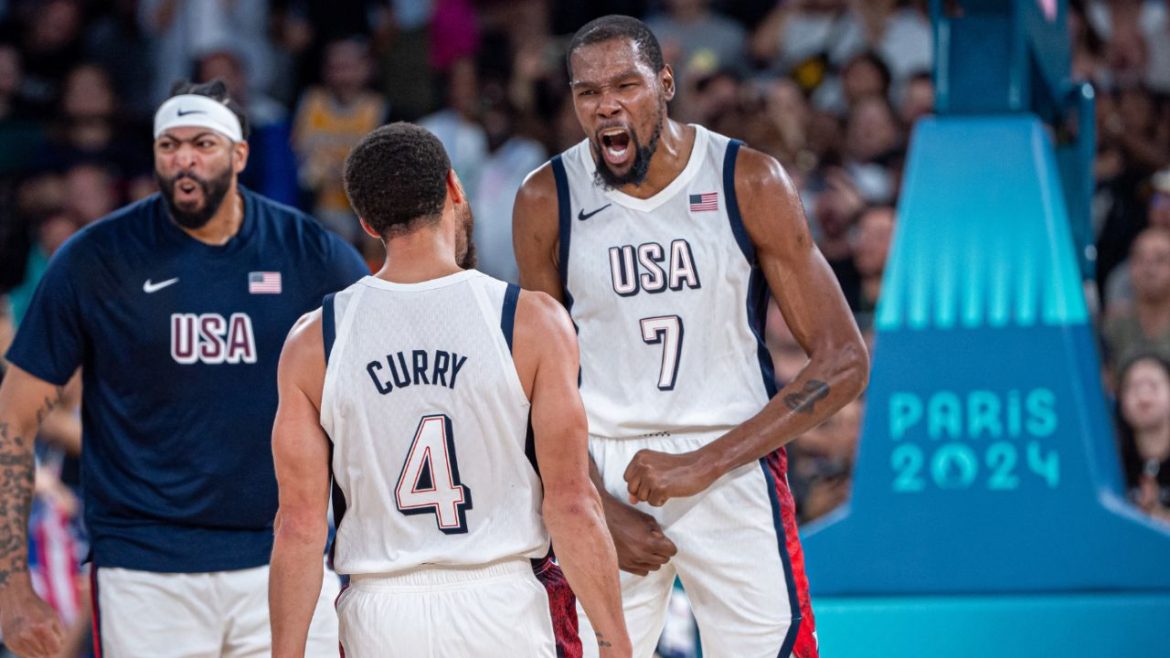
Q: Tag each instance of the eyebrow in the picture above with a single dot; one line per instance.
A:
(628, 73)
(205, 133)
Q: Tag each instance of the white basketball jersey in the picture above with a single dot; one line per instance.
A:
(429, 424)
(666, 296)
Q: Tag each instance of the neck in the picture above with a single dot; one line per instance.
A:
(1154, 442)
(669, 159)
(421, 255)
(225, 223)
(1152, 315)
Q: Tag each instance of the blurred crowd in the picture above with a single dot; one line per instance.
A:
(831, 88)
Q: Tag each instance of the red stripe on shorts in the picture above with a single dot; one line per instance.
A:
(806, 643)
(562, 604)
(97, 617)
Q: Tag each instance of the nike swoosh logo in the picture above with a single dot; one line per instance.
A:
(184, 113)
(149, 287)
(582, 215)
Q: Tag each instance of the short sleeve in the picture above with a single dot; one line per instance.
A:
(49, 343)
(343, 264)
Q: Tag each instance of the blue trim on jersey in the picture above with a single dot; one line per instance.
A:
(758, 293)
(565, 224)
(737, 227)
(782, 540)
(508, 317)
(328, 324)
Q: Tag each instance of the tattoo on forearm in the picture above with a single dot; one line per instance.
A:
(805, 400)
(17, 465)
(602, 642)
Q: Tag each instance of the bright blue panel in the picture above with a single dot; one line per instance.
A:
(987, 460)
(1070, 626)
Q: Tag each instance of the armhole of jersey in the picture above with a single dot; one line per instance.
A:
(758, 293)
(564, 223)
(736, 219)
(508, 316)
(328, 326)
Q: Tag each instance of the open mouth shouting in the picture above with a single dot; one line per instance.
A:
(616, 146)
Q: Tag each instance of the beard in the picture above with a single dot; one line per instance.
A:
(465, 254)
(214, 190)
(607, 179)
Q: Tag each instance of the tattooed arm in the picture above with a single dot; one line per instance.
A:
(814, 308)
(30, 626)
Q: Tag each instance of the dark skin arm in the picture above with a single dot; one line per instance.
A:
(30, 626)
(641, 545)
(813, 306)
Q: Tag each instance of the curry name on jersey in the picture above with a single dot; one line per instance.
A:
(429, 426)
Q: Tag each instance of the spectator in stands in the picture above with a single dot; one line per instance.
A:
(810, 38)
(822, 462)
(457, 125)
(49, 35)
(183, 30)
(330, 120)
(1145, 326)
(865, 75)
(510, 157)
(272, 166)
(89, 127)
(917, 99)
(90, 192)
(871, 248)
(834, 212)
(1119, 285)
(1144, 420)
(1137, 36)
(697, 41)
(873, 148)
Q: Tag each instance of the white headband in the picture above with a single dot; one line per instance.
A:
(196, 110)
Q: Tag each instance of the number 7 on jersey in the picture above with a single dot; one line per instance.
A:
(429, 483)
(668, 330)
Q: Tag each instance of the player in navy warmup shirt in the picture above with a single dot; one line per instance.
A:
(175, 308)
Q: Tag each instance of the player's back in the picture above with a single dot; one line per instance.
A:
(429, 425)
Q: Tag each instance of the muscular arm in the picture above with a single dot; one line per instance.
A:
(641, 545)
(546, 360)
(30, 627)
(300, 450)
(814, 308)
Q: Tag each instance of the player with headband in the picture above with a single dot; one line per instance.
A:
(175, 309)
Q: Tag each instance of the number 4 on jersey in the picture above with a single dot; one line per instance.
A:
(429, 483)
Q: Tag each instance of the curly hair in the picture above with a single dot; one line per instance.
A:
(396, 178)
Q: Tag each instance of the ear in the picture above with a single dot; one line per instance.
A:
(369, 229)
(240, 153)
(666, 79)
(455, 188)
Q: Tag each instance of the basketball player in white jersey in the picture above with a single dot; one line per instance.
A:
(664, 241)
(414, 388)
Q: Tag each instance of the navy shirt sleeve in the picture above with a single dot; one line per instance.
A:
(343, 265)
(50, 341)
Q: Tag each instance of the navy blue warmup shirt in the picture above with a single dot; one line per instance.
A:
(178, 343)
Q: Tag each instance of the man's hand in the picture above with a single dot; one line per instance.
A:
(31, 628)
(656, 477)
(641, 545)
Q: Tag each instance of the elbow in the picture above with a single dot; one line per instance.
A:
(571, 507)
(296, 529)
(853, 367)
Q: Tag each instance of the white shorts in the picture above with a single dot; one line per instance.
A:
(496, 611)
(738, 558)
(197, 615)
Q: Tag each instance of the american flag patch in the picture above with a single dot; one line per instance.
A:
(704, 201)
(264, 283)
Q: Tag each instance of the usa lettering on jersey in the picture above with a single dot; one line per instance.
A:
(641, 268)
(210, 338)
